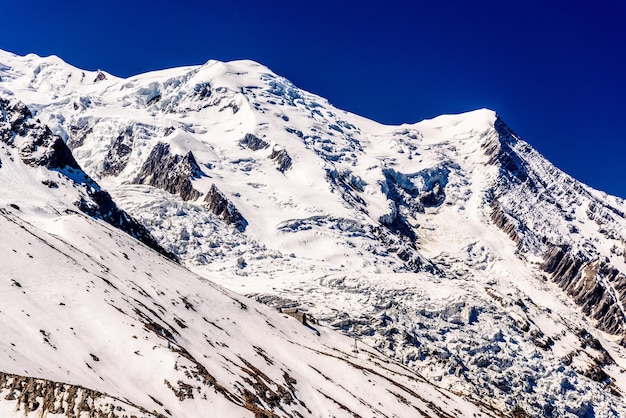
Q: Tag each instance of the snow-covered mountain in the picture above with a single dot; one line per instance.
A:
(450, 245)
(96, 323)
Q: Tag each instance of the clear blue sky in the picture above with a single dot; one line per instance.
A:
(554, 71)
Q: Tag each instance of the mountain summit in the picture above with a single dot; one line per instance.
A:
(450, 245)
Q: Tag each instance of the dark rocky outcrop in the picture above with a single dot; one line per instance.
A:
(15, 114)
(503, 221)
(100, 76)
(40, 148)
(119, 153)
(500, 151)
(46, 150)
(77, 135)
(170, 172)
(282, 159)
(219, 205)
(586, 283)
(43, 397)
(254, 142)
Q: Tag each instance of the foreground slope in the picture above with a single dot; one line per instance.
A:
(91, 308)
(451, 244)
(95, 323)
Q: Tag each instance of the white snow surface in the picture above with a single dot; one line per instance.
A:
(86, 305)
(478, 316)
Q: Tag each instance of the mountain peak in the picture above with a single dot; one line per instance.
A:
(479, 120)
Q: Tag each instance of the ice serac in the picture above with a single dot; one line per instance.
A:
(112, 329)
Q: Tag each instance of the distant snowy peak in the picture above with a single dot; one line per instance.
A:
(193, 129)
(380, 170)
(49, 77)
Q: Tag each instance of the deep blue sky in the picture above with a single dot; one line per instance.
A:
(554, 71)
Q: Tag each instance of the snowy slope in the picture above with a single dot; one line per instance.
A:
(87, 306)
(450, 245)
(95, 323)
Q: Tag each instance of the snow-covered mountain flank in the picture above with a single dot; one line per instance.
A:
(95, 323)
(449, 248)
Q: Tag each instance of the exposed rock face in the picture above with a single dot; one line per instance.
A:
(38, 147)
(589, 284)
(282, 159)
(254, 142)
(504, 221)
(118, 155)
(43, 397)
(219, 205)
(47, 150)
(100, 77)
(533, 216)
(77, 135)
(500, 151)
(14, 113)
(170, 172)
